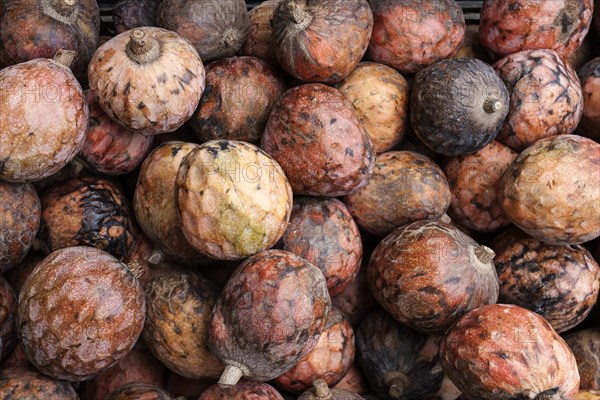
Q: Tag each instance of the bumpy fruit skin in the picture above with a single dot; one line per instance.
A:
(502, 352)
(509, 26)
(269, 315)
(43, 120)
(155, 201)
(584, 345)
(109, 148)
(233, 199)
(545, 97)
(152, 93)
(399, 363)
(589, 75)
(551, 190)
(217, 29)
(409, 35)
(242, 391)
(129, 14)
(8, 313)
(27, 383)
(317, 137)
(457, 106)
(404, 187)
(561, 283)
(329, 360)
(356, 301)
(80, 312)
(380, 96)
(239, 96)
(176, 327)
(139, 365)
(260, 43)
(39, 28)
(139, 391)
(323, 232)
(16, 358)
(473, 181)
(20, 213)
(86, 212)
(321, 41)
(428, 274)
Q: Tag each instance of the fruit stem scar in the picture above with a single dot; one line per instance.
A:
(491, 106)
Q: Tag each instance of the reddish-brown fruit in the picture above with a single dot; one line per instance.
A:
(404, 187)
(317, 137)
(380, 96)
(545, 97)
(584, 345)
(39, 28)
(187, 388)
(239, 96)
(260, 42)
(329, 360)
(323, 232)
(589, 75)
(129, 14)
(139, 391)
(270, 315)
(509, 26)
(155, 201)
(242, 391)
(27, 383)
(561, 283)
(16, 358)
(86, 212)
(428, 274)
(473, 181)
(109, 148)
(80, 312)
(138, 366)
(320, 391)
(177, 319)
(321, 41)
(216, 28)
(448, 391)
(147, 79)
(502, 352)
(409, 35)
(551, 190)
(354, 381)
(356, 301)
(20, 213)
(43, 119)
(471, 47)
(8, 313)
(233, 199)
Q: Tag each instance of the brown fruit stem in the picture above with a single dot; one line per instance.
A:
(230, 37)
(77, 165)
(321, 389)
(64, 7)
(491, 106)
(231, 376)
(65, 57)
(485, 254)
(299, 15)
(445, 219)
(136, 269)
(156, 257)
(141, 48)
(397, 383)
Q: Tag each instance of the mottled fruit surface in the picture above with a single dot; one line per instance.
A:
(585, 345)
(502, 352)
(356, 301)
(8, 314)
(473, 181)
(409, 35)
(399, 363)
(27, 383)
(380, 96)
(260, 43)
(129, 14)
(269, 315)
(560, 283)
(404, 187)
(458, 105)
(589, 75)
(43, 119)
(428, 274)
(509, 26)
(329, 360)
(139, 391)
(239, 96)
(321, 41)
(320, 391)
(317, 137)
(177, 319)
(20, 213)
(545, 97)
(244, 390)
(80, 312)
(233, 199)
(551, 191)
(354, 381)
(86, 212)
(323, 232)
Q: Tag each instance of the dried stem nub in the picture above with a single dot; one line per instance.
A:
(231, 376)
(64, 7)
(484, 254)
(142, 48)
(65, 57)
(491, 106)
(397, 382)
(321, 389)
(299, 15)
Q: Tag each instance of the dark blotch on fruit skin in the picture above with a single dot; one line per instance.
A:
(129, 14)
(28, 383)
(8, 314)
(586, 347)
(589, 75)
